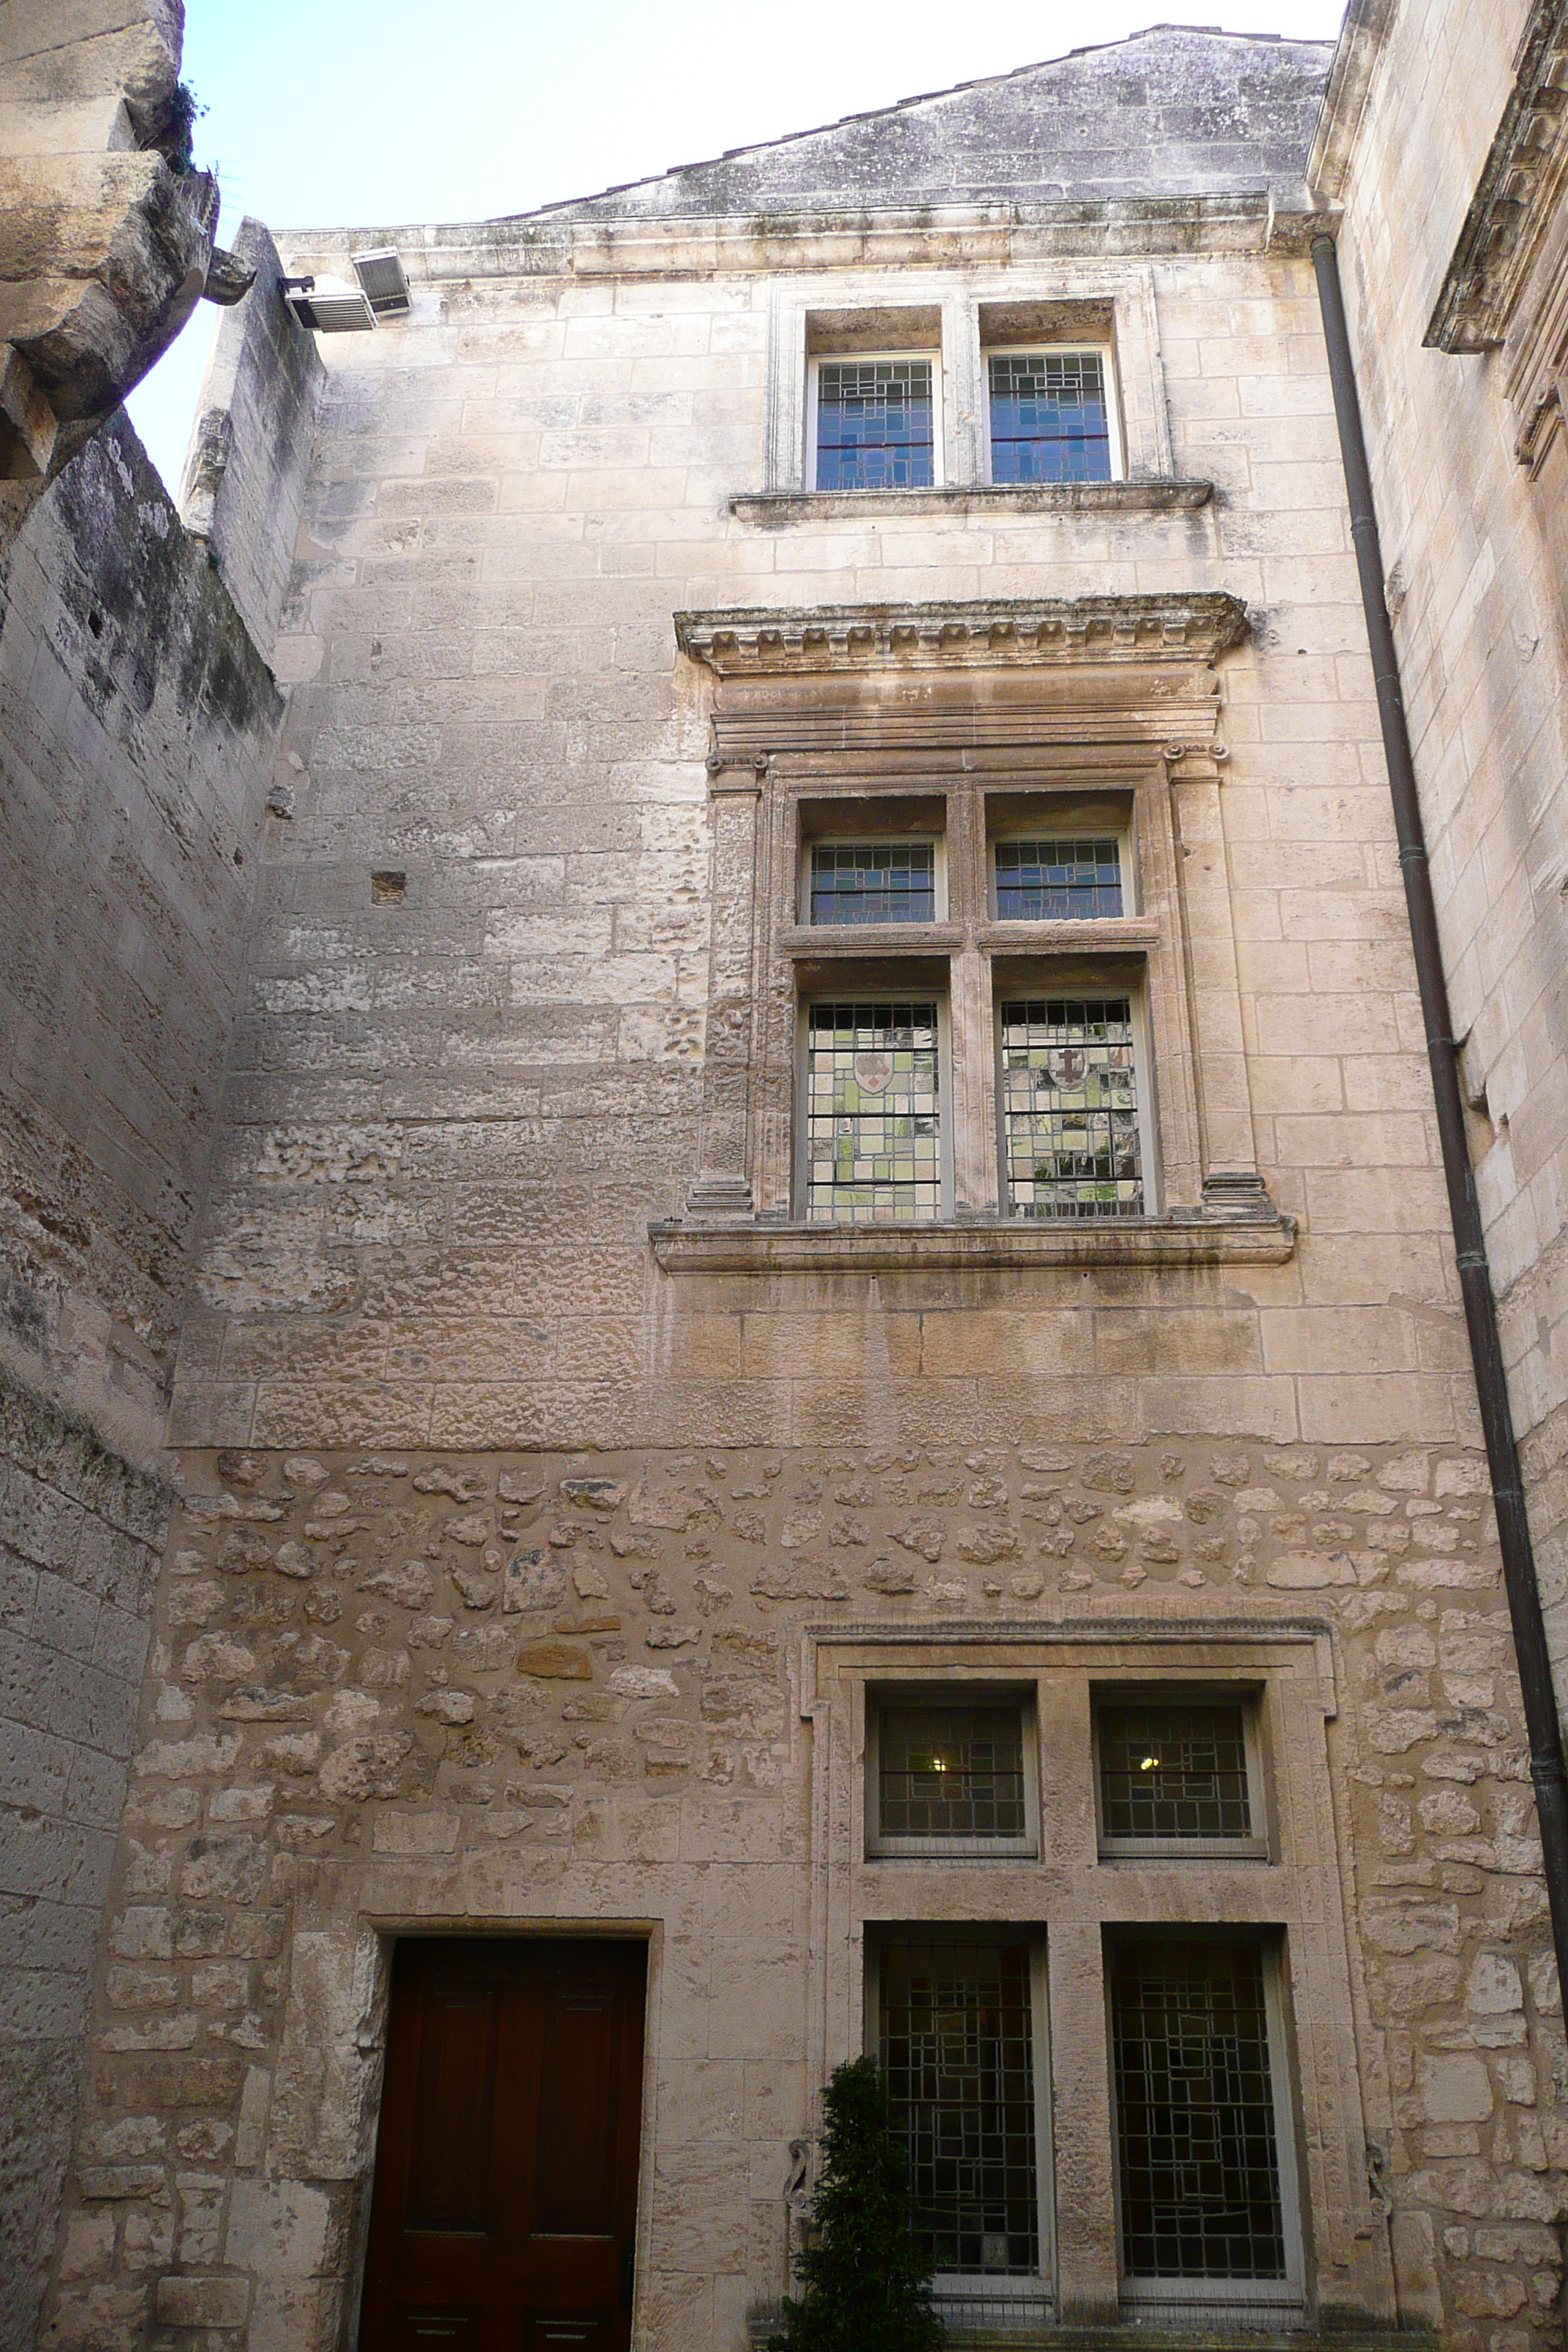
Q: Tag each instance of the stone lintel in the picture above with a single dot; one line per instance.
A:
(1517, 197)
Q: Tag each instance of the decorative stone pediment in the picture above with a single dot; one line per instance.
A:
(1517, 197)
(982, 635)
(1094, 672)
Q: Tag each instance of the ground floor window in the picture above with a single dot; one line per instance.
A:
(1197, 2137)
(958, 2051)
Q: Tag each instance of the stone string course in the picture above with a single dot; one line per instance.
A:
(500, 1678)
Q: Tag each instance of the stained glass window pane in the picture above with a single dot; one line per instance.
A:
(1059, 881)
(872, 1117)
(950, 1771)
(1173, 1772)
(1050, 419)
(874, 424)
(957, 2056)
(1069, 1107)
(1194, 2113)
(875, 882)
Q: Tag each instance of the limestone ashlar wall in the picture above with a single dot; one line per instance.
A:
(456, 1101)
(250, 460)
(136, 730)
(1482, 631)
(80, 1539)
(392, 1688)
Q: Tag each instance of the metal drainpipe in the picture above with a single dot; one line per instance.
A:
(1546, 1768)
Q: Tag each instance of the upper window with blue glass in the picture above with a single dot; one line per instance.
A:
(1060, 881)
(874, 882)
(874, 424)
(1050, 417)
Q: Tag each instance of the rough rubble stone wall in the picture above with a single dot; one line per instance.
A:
(80, 1539)
(136, 730)
(1481, 628)
(479, 1687)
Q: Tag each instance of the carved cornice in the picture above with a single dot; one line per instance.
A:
(1517, 196)
(1098, 630)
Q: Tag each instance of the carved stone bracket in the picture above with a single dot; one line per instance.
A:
(1517, 197)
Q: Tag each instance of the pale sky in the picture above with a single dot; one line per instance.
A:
(343, 113)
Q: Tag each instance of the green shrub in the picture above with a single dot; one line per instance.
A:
(867, 2283)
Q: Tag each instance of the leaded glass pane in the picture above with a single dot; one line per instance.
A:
(957, 2056)
(873, 1144)
(1059, 881)
(950, 1771)
(1069, 1107)
(1049, 420)
(874, 882)
(874, 424)
(1194, 2113)
(1173, 1772)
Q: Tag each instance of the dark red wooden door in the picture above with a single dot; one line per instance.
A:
(504, 2207)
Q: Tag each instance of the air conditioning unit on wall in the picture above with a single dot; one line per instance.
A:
(381, 274)
(331, 304)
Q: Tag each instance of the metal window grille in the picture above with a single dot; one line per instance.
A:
(1058, 881)
(1049, 418)
(950, 1771)
(957, 2052)
(873, 1141)
(1069, 1107)
(880, 882)
(874, 424)
(1173, 1772)
(1194, 2113)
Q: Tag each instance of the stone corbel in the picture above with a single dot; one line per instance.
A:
(745, 773)
(29, 426)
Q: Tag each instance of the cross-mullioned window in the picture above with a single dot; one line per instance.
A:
(874, 424)
(1059, 881)
(1196, 2135)
(1173, 1772)
(873, 1148)
(1050, 420)
(1069, 1107)
(951, 1772)
(957, 2052)
(874, 882)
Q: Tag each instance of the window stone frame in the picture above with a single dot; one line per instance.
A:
(952, 702)
(1073, 1895)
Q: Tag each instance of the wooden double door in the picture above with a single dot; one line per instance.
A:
(504, 2208)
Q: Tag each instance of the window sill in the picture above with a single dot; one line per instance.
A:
(1168, 496)
(1184, 1237)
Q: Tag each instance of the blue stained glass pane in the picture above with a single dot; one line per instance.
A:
(874, 426)
(874, 882)
(1059, 881)
(1050, 418)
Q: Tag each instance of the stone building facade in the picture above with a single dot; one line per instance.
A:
(825, 1175)
(1455, 269)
